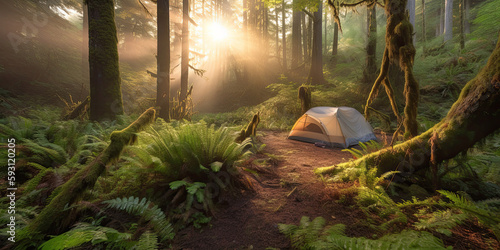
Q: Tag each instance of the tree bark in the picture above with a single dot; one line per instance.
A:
(462, 20)
(316, 72)
(105, 83)
(410, 6)
(283, 34)
(85, 48)
(335, 42)
(163, 61)
(296, 35)
(424, 37)
(466, 23)
(50, 220)
(448, 20)
(472, 117)
(325, 43)
(304, 35)
(185, 51)
(370, 71)
(399, 50)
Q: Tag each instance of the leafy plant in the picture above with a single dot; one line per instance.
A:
(314, 235)
(146, 210)
(86, 233)
(366, 148)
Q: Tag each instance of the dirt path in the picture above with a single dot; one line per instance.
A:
(251, 221)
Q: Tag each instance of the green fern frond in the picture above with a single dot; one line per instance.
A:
(148, 240)
(154, 214)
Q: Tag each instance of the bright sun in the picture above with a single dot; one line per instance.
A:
(218, 32)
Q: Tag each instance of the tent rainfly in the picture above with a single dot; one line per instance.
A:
(340, 127)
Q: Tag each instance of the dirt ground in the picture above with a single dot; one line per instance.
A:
(290, 190)
(293, 191)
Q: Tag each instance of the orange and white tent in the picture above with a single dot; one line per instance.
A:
(341, 127)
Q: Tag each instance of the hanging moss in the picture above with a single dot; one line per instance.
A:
(52, 218)
(399, 50)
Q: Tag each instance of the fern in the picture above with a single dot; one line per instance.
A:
(314, 235)
(441, 221)
(366, 148)
(146, 210)
(148, 240)
(86, 233)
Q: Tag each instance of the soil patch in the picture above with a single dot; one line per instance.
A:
(283, 196)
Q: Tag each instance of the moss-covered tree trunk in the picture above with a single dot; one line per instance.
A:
(370, 71)
(50, 220)
(398, 50)
(105, 90)
(163, 62)
(472, 117)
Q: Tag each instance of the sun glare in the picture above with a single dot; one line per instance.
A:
(218, 32)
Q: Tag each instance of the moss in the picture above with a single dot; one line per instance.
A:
(250, 130)
(305, 98)
(51, 218)
(105, 81)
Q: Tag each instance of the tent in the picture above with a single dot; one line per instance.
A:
(341, 127)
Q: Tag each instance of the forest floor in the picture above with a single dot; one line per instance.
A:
(287, 190)
(283, 195)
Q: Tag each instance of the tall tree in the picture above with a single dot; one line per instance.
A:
(296, 36)
(370, 71)
(105, 83)
(163, 61)
(316, 72)
(448, 20)
(283, 34)
(185, 50)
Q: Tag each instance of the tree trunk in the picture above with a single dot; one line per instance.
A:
(424, 37)
(304, 35)
(462, 14)
(296, 35)
(441, 19)
(185, 50)
(163, 61)
(410, 6)
(283, 34)
(370, 71)
(85, 48)
(325, 43)
(466, 23)
(448, 20)
(335, 42)
(399, 50)
(316, 72)
(277, 33)
(310, 22)
(472, 117)
(105, 83)
(50, 220)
